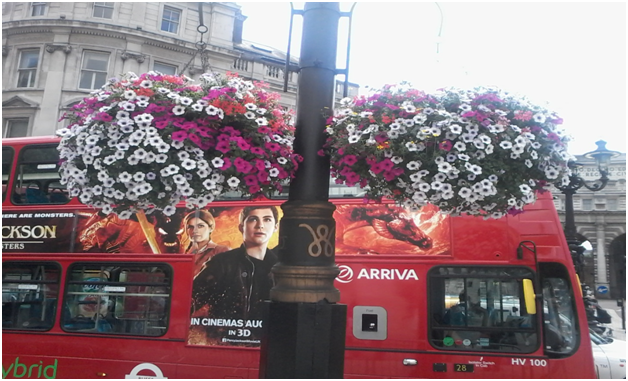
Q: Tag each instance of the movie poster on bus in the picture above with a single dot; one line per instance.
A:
(233, 249)
(230, 286)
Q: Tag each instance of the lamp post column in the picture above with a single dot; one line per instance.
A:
(571, 232)
(305, 327)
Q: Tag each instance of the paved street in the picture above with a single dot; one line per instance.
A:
(615, 312)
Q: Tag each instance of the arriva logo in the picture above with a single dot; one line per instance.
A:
(346, 274)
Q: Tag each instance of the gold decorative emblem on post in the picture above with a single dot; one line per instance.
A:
(322, 240)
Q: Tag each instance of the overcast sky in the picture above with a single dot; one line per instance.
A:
(569, 55)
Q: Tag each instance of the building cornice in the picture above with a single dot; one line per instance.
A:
(96, 32)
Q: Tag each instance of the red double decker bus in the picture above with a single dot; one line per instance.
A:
(89, 295)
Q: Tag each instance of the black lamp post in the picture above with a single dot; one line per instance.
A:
(602, 157)
(305, 325)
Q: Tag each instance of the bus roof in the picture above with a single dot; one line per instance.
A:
(31, 140)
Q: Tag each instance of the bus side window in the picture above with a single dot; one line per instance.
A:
(480, 309)
(7, 164)
(118, 298)
(37, 177)
(29, 295)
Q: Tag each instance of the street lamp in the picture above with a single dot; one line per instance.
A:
(602, 157)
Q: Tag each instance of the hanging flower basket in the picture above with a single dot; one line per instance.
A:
(148, 142)
(483, 151)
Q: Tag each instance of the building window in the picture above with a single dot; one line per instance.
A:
(39, 9)
(15, 128)
(29, 60)
(94, 70)
(165, 69)
(170, 20)
(611, 204)
(103, 10)
(587, 204)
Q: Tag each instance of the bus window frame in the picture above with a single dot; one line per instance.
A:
(465, 272)
(68, 293)
(6, 187)
(55, 301)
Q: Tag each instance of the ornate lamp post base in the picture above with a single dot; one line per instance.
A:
(308, 341)
(305, 330)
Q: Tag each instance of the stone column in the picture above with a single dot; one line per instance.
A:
(601, 276)
(53, 62)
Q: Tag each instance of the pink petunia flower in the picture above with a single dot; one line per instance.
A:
(250, 179)
(350, 160)
(377, 168)
(242, 144)
(257, 151)
(195, 139)
(179, 136)
(272, 146)
(254, 189)
(262, 176)
(445, 145)
(162, 124)
(352, 178)
(223, 146)
(242, 165)
(389, 176)
(259, 164)
(387, 164)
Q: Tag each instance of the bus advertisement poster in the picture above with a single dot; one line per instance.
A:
(233, 249)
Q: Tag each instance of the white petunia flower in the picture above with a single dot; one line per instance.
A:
(465, 192)
(125, 177)
(455, 128)
(539, 118)
(178, 110)
(233, 182)
(169, 210)
(217, 162)
(212, 110)
(444, 167)
(188, 164)
(129, 94)
(413, 165)
(186, 101)
(505, 144)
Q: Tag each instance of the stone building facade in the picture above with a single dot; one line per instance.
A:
(600, 218)
(56, 53)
